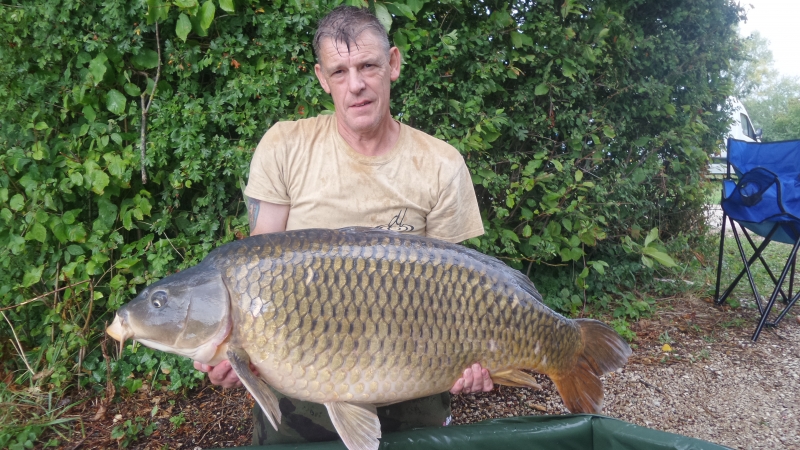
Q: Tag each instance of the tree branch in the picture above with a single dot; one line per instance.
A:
(146, 108)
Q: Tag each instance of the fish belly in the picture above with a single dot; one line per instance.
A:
(379, 317)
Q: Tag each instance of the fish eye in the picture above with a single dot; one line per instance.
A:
(159, 299)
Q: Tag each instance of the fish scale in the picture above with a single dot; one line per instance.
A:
(420, 313)
(358, 317)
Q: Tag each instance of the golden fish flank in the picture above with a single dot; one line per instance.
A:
(367, 316)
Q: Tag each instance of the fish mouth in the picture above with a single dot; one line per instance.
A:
(119, 330)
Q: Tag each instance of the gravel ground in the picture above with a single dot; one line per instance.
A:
(724, 389)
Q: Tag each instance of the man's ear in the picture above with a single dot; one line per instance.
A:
(322, 81)
(395, 61)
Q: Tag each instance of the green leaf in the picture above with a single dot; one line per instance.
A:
(651, 236)
(568, 69)
(69, 217)
(541, 89)
(145, 59)
(132, 89)
(89, 114)
(17, 202)
(76, 233)
(400, 9)
(116, 102)
(659, 256)
(75, 250)
(186, 4)
(32, 276)
(207, 14)
(99, 181)
(41, 126)
(97, 67)
(3, 195)
(183, 27)
(509, 234)
(37, 232)
(226, 5)
(126, 263)
(516, 39)
(599, 266)
(383, 16)
(157, 11)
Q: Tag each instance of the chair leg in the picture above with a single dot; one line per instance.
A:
(747, 267)
(767, 240)
(719, 263)
(719, 300)
(771, 302)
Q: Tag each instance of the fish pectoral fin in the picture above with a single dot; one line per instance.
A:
(515, 378)
(261, 391)
(356, 423)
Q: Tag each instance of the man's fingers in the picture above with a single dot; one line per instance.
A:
(488, 384)
(469, 380)
(458, 387)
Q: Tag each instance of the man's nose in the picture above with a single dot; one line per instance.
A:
(355, 81)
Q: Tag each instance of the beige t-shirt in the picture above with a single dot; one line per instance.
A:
(421, 186)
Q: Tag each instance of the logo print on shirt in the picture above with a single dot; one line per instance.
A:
(396, 224)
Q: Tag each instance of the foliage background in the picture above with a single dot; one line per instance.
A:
(585, 123)
(772, 100)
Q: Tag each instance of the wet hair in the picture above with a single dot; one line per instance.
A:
(344, 24)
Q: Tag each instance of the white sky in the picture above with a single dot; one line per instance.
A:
(776, 20)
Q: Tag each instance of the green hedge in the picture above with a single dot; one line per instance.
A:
(585, 123)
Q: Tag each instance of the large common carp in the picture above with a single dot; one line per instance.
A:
(359, 317)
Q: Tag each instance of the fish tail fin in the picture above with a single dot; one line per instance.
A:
(603, 351)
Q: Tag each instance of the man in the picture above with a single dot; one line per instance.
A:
(358, 167)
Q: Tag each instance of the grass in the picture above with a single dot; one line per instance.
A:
(26, 414)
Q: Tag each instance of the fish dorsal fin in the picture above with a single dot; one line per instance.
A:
(515, 378)
(357, 424)
(240, 362)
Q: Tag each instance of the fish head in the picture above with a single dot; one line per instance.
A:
(187, 314)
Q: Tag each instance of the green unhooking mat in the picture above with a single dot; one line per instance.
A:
(570, 432)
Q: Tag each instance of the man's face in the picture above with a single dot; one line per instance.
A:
(359, 81)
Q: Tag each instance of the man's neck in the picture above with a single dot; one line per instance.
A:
(372, 144)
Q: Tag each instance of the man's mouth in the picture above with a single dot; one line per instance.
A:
(361, 104)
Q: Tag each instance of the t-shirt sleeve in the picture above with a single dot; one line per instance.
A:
(456, 216)
(267, 180)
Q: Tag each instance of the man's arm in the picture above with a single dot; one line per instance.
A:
(264, 218)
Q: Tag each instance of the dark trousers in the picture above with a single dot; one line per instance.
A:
(309, 422)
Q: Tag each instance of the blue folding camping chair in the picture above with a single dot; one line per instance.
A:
(764, 199)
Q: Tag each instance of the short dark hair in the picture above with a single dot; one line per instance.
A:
(345, 24)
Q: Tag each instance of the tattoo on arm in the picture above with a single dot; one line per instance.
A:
(253, 206)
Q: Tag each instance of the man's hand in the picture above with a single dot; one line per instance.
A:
(475, 379)
(222, 374)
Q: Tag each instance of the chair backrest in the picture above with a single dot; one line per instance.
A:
(781, 158)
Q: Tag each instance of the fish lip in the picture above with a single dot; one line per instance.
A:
(118, 329)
